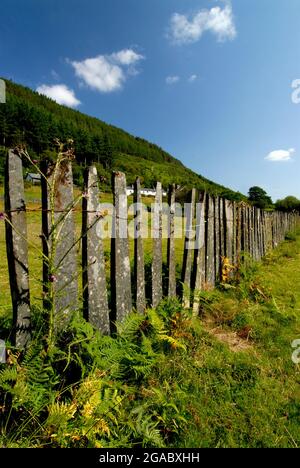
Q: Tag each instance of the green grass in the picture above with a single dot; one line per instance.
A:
(224, 379)
(250, 398)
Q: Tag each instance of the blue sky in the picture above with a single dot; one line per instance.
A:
(209, 81)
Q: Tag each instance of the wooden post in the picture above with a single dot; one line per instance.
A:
(210, 242)
(247, 233)
(188, 251)
(260, 234)
(222, 232)
(264, 233)
(251, 233)
(256, 238)
(171, 244)
(200, 250)
(234, 234)
(95, 304)
(120, 262)
(239, 221)
(139, 263)
(17, 248)
(58, 234)
(217, 239)
(157, 292)
(229, 230)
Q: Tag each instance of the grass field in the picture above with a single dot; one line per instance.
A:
(250, 393)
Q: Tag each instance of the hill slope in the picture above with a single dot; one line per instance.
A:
(36, 120)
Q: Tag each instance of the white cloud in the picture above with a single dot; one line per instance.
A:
(192, 78)
(59, 93)
(126, 57)
(98, 73)
(172, 80)
(280, 155)
(107, 73)
(185, 29)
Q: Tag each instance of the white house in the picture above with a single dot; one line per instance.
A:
(34, 179)
(146, 192)
(129, 191)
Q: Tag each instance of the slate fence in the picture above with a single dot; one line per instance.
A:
(219, 236)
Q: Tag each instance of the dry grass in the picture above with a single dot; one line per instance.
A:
(235, 342)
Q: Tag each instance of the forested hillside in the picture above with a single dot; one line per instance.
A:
(36, 121)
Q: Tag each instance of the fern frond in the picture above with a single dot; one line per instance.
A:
(175, 344)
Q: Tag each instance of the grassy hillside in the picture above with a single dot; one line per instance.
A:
(36, 120)
(224, 379)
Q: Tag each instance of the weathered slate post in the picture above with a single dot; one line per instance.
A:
(200, 250)
(264, 233)
(171, 243)
(157, 291)
(222, 231)
(260, 233)
(239, 233)
(272, 237)
(256, 232)
(234, 234)
(17, 248)
(217, 239)
(120, 262)
(139, 263)
(274, 220)
(210, 241)
(229, 230)
(59, 242)
(251, 231)
(95, 304)
(268, 231)
(245, 229)
(188, 251)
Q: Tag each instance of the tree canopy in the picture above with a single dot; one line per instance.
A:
(288, 204)
(259, 198)
(36, 121)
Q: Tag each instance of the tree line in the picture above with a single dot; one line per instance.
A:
(36, 121)
(259, 198)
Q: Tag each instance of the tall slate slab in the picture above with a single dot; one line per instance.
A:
(251, 232)
(17, 248)
(229, 230)
(171, 260)
(156, 231)
(222, 230)
(139, 262)
(234, 234)
(120, 261)
(239, 233)
(200, 250)
(217, 230)
(210, 241)
(59, 240)
(188, 250)
(95, 303)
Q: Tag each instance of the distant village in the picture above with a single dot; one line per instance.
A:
(35, 179)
